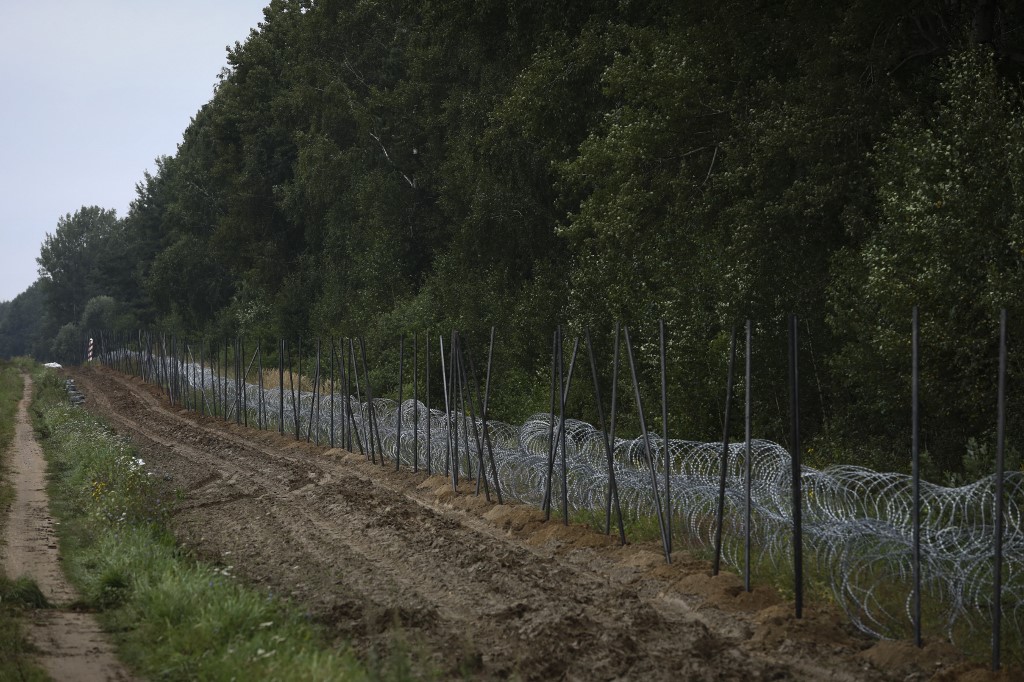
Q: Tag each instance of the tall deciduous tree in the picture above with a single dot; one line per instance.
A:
(79, 260)
(951, 240)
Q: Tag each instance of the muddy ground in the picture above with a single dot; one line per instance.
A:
(388, 560)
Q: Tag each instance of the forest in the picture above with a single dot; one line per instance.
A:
(380, 168)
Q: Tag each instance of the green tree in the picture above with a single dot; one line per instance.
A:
(24, 324)
(75, 262)
(69, 345)
(950, 240)
(105, 314)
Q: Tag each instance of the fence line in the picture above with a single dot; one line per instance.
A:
(883, 541)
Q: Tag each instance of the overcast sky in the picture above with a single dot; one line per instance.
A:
(91, 92)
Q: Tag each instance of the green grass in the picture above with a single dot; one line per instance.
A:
(173, 618)
(22, 594)
(10, 393)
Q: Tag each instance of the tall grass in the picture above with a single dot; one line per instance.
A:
(10, 393)
(174, 618)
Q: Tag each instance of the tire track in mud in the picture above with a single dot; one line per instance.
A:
(383, 560)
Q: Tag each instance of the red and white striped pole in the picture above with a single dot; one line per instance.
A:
(88, 356)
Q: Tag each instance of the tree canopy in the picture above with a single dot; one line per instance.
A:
(377, 168)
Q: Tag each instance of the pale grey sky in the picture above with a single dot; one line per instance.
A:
(91, 92)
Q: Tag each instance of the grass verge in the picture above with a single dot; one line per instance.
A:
(173, 618)
(16, 595)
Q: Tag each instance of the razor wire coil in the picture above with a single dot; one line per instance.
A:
(858, 523)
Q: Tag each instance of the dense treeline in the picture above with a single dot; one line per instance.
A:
(375, 168)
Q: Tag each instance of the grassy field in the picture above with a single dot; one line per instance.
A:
(174, 618)
(16, 594)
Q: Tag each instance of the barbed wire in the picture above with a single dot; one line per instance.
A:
(857, 522)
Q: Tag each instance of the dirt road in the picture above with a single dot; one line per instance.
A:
(387, 559)
(71, 645)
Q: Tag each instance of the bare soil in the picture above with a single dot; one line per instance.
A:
(71, 645)
(386, 559)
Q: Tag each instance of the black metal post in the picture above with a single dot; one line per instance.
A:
(664, 435)
(280, 385)
(194, 367)
(298, 407)
(180, 397)
(243, 383)
(261, 415)
(447, 413)
(346, 402)
(647, 446)
(234, 372)
(368, 411)
(346, 398)
(484, 414)
(165, 367)
(375, 432)
(461, 402)
(415, 401)
(997, 558)
(398, 430)
(565, 397)
(239, 367)
(195, 385)
(426, 371)
(916, 473)
(351, 380)
(355, 380)
(314, 400)
(227, 345)
(318, 391)
(165, 351)
(235, 398)
(169, 369)
(561, 410)
(724, 468)
(331, 339)
(291, 389)
(748, 429)
(611, 428)
(612, 488)
(214, 377)
(175, 372)
(481, 470)
(795, 465)
(202, 375)
(453, 419)
(546, 505)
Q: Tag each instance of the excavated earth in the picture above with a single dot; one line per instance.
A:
(397, 562)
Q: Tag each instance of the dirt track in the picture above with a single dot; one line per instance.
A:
(69, 644)
(470, 588)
